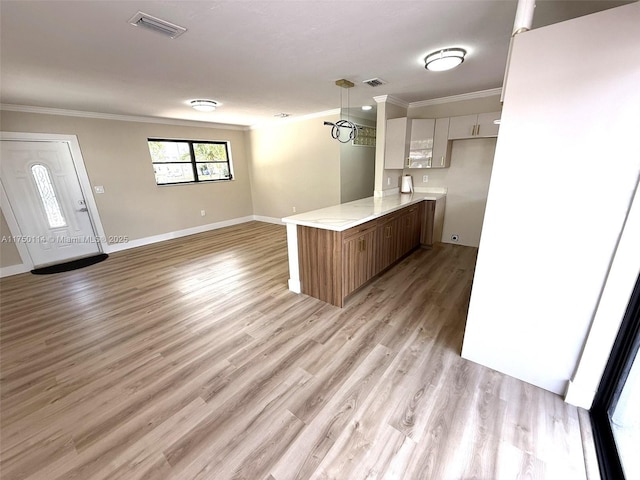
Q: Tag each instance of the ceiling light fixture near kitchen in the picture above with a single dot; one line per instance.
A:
(343, 130)
(366, 108)
(444, 59)
(204, 105)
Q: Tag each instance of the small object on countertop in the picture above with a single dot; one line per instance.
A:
(407, 184)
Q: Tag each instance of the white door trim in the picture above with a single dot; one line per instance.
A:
(83, 178)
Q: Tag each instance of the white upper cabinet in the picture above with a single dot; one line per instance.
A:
(474, 126)
(396, 146)
(426, 142)
(462, 127)
(429, 147)
(421, 144)
(441, 150)
(486, 124)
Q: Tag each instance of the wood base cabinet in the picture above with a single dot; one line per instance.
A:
(358, 259)
(398, 233)
(333, 264)
(388, 240)
(410, 228)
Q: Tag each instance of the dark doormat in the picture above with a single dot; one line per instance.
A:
(72, 265)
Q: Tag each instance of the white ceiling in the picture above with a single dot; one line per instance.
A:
(258, 58)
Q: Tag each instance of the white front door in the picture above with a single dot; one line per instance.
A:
(44, 193)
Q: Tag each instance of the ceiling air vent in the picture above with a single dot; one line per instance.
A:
(374, 82)
(168, 29)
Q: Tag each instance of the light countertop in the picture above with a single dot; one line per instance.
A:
(346, 215)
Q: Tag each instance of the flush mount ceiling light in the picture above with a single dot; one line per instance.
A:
(366, 108)
(204, 105)
(444, 59)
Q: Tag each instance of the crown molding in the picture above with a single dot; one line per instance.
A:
(294, 119)
(112, 116)
(391, 99)
(457, 98)
(195, 123)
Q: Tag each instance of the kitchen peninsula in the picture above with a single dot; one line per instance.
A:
(334, 251)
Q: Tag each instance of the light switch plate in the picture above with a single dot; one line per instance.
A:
(99, 189)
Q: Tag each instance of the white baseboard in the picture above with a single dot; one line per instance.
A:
(140, 242)
(295, 285)
(275, 220)
(579, 396)
(14, 270)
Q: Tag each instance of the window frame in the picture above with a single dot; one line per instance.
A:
(193, 162)
(54, 195)
(623, 353)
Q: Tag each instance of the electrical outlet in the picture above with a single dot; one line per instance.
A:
(99, 189)
(202, 213)
(455, 237)
(425, 178)
(388, 180)
(294, 209)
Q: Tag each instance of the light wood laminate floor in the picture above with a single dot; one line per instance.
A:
(190, 359)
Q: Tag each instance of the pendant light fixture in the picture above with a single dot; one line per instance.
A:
(343, 130)
(444, 59)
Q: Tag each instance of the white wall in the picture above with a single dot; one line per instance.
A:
(357, 168)
(625, 269)
(356, 172)
(116, 156)
(386, 180)
(467, 183)
(294, 163)
(467, 179)
(9, 254)
(564, 174)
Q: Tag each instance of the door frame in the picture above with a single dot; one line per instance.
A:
(83, 179)
(622, 355)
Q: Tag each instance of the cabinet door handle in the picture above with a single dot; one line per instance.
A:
(478, 130)
(473, 131)
(442, 161)
(362, 244)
